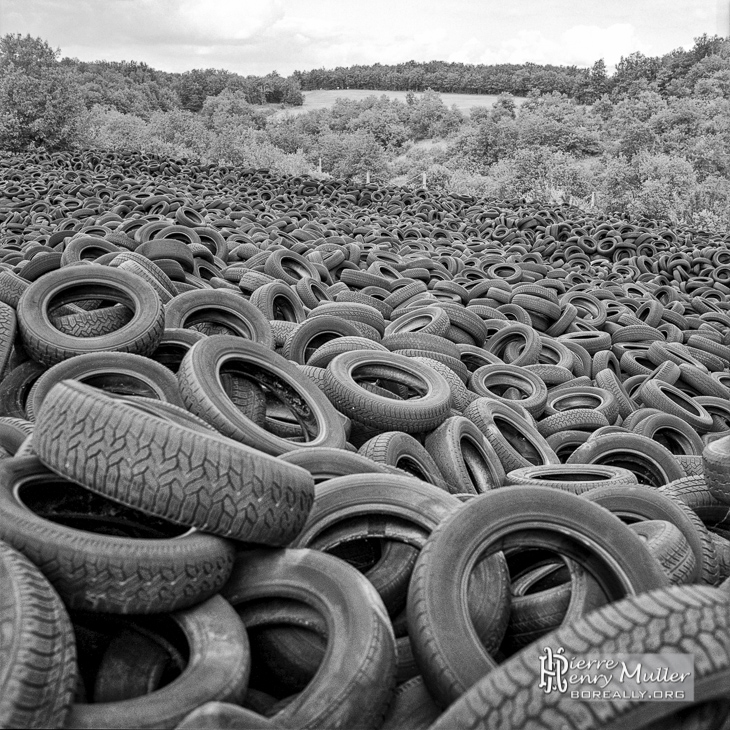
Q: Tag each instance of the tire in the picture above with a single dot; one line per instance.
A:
(412, 707)
(220, 715)
(489, 381)
(669, 620)
(675, 434)
(575, 419)
(670, 549)
(217, 669)
(360, 660)
(239, 317)
(652, 463)
(199, 377)
(95, 323)
(449, 657)
(565, 443)
(324, 463)
(516, 442)
(164, 570)
(37, 647)
(596, 399)
(278, 301)
(327, 352)
(401, 451)
(667, 398)
(289, 267)
(423, 413)
(575, 478)
(636, 503)
(692, 490)
(465, 457)
(524, 337)
(716, 458)
(425, 320)
(173, 347)
(113, 372)
(404, 510)
(15, 388)
(535, 612)
(420, 341)
(308, 336)
(164, 469)
(47, 345)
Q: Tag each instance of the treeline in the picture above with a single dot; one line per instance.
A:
(515, 79)
(672, 74)
(133, 87)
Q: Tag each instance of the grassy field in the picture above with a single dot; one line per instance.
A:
(324, 98)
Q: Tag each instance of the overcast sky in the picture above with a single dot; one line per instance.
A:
(258, 36)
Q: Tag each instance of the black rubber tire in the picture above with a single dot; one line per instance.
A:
(669, 399)
(465, 457)
(278, 301)
(596, 399)
(403, 510)
(290, 267)
(669, 547)
(607, 380)
(201, 389)
(416, 415)
(170, 471)
(47, 345)
(420, 341)
(575, 478)
(671, 620)
(360, 660)
(574, 419)
(173, 347)
(527, 351)
(672, 432)
(412, 707)
(635, 503)
(94, 323)
(308, 336)
(16, 386)
(113, 372)
(489, 381)
(425, 321)
(239, 317)
(327, 352)
(37, 647)
(450, 658)
(108, 573)
(217, 669)
(402, 451)
(536, 611)
(326, 463)
(652, 463)
(716, 458)
(226, 716)
(507, 432)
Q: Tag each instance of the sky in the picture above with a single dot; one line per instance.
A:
(260, 36)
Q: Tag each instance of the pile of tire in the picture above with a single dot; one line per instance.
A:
(278, 452)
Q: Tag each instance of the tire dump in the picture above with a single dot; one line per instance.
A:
(286, 452)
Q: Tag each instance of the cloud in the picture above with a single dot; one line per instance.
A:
(258, 36)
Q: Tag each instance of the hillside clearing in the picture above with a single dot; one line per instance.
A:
(325, 98)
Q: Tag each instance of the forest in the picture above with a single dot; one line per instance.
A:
(651, 139)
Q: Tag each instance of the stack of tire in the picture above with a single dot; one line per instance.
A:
(292, 453)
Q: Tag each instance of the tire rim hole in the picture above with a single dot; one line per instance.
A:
(67, 504)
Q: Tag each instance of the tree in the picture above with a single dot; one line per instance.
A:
(599, 79)
(39, 104)
(27, 54)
